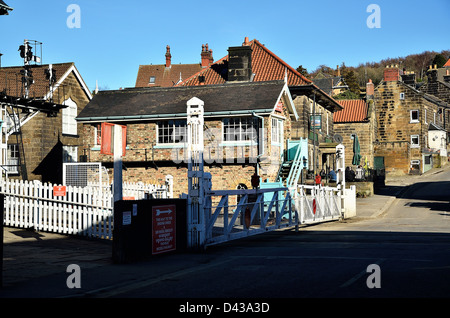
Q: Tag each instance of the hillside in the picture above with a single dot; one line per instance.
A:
(418, 63)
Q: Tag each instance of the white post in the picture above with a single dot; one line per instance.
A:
(195, 213)
(117, 132)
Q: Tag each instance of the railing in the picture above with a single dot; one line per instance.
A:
(232, 214)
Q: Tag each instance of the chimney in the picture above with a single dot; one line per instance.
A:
(206, 55)
(370, 89)
(391, 73)
(168, 57)
(239, 63)
(338, 71)
(409, 78)
(432, 74)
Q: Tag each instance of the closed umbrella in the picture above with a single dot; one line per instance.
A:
(356, 151)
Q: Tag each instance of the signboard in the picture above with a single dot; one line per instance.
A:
(316, 121)
(59, 191)
(163, 228)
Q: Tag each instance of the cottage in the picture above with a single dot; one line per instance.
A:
(404, 115)
(246, 127)
(40, 129)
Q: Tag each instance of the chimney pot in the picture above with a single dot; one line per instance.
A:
(206, 56)
(168, 57)
(245, 41)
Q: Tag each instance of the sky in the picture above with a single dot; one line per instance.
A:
(108, 40)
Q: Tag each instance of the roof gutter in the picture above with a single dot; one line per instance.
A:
(168, 116)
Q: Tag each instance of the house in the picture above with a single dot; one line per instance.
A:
(332, 85)
(438, 85)
(254, 62)
(168, 74)
(404, 116)
(40, 131)
(4, 8)
(357, 119)
(246, 126)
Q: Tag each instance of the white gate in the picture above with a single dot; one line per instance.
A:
(318, 204)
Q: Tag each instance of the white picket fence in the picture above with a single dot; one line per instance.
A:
(86, 211)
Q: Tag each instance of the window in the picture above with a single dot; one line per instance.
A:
(240, 129)
(277, 131)
(70, 153)
(13, 159)
(414, 116)
(415, 141)
(69, 124)
(152, 80)
(425, 116)
(97, 135)
(172, 131)
(402, 96)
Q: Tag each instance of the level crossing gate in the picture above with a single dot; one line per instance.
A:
(216, 216)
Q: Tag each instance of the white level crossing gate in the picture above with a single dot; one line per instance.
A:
(216, 216)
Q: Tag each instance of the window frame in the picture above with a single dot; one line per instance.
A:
(411, 119)
(413, 144)
(175, 135)
(243, 124)
(10, 159)
(68, 114)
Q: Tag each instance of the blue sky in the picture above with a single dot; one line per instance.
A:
(115, 37)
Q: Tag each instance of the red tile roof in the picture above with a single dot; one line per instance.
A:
(165, 76)
(265, 65)
(355, 110)
(447, 63)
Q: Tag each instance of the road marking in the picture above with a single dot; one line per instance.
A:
(359, 275)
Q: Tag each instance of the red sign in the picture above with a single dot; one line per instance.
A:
(163, 228)
(59, 191)
(279, 107)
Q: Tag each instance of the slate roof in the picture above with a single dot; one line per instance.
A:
(355, 111)
(265, 65)
(170, 102)
(328, 84)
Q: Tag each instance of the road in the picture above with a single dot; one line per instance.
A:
(403, 253)
(409, 245)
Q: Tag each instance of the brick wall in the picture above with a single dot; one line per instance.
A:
(147, 162)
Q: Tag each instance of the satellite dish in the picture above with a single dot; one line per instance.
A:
(338, 138)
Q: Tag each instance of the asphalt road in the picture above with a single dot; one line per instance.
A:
(405, 253)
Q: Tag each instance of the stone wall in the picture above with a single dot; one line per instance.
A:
(43, 139)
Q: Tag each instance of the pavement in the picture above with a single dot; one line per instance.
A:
(32, 260)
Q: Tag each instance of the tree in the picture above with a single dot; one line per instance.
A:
(302, 70)
(439, 60)
(352, 82)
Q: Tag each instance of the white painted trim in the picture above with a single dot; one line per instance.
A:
(71, 69)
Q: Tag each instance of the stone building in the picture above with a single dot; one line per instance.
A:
(246, 126)
(357, 119)
(403, 116)
(45, 138)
